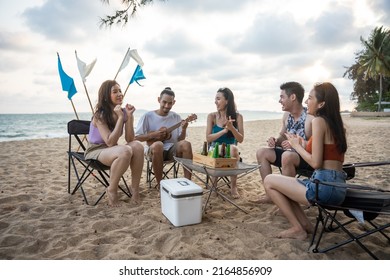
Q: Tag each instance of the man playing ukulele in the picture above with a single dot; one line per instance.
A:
(164, 132)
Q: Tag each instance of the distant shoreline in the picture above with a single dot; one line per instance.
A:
(54, 125)
(370, 114)
(142, 111)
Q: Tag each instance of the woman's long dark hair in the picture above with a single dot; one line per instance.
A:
(231, 109)
(326, 92)
(103, 110)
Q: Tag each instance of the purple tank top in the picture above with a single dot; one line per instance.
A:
(94, 133)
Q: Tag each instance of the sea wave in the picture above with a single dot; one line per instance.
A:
(41, 126)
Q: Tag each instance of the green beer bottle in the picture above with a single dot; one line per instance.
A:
(227, 154)
(215, 151)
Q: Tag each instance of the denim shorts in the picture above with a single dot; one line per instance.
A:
(326, 194)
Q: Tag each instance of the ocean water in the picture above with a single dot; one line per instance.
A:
(39, 126)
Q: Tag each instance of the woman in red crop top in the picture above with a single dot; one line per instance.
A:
(107, 126)
(324, 152)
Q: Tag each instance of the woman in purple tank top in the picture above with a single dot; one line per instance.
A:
(109, 122)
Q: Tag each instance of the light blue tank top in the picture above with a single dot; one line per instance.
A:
(224, 138)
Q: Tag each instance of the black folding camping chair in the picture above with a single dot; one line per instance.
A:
(373, 204)
(168, 167)
(82, 168)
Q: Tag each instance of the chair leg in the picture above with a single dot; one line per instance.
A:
(318, 220)
(84, 177)
(79, 185)
(127, 191)
(175, 169)
(100, 197)
(102, 178)
(380, 230)
(69, 161)
(352, 237)
(80, 179)
(323, 221)
(150, 174)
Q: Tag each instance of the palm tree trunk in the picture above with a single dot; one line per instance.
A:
(380, 92)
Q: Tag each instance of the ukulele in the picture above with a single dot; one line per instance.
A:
(168, 130)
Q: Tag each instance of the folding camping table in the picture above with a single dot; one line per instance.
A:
(241, 170)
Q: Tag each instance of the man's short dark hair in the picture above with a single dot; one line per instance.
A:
(168, 91)
(294, 88)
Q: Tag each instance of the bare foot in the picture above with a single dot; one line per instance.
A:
(262, 200)
(135, 197)
(112, 196)
(309, 228)
(293, 233)
(234, 193)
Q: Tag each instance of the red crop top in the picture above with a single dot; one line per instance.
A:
(330, 151)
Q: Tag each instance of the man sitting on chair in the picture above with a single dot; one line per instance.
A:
(278, 152)
(164, 132)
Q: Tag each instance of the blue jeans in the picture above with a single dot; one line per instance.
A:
(326, 194)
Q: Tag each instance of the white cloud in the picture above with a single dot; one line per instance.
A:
(64, 20)
(193, 46)
(270, 35)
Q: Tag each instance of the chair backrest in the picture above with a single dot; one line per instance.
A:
(369, 201)
(77, 128)
(349, 169)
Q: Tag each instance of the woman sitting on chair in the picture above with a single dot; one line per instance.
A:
(324, 152)
(226, 126)
(107, 125)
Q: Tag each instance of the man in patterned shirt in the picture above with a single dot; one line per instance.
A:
(278, 152)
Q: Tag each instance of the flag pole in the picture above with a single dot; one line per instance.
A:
(77, 116)
(86, 91)
(124, 94)
(85, 88)
(74, 109)
(119, 69)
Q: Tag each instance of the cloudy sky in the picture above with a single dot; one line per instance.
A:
(195, 47)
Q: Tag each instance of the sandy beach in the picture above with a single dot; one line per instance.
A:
(40, 220)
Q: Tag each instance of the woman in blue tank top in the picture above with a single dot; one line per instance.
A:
(226, 125)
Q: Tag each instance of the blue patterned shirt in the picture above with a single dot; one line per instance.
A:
(297, 127)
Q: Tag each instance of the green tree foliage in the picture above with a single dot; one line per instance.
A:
(375, 58)
(365, 90)
(371, 70)
(130, 8)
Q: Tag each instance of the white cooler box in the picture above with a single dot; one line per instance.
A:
(181, 201)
